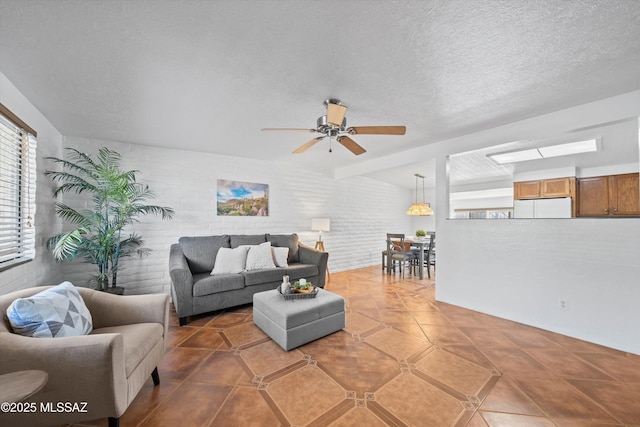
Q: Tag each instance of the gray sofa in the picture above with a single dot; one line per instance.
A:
(195, 290)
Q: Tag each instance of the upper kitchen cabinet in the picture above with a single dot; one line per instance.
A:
(613, 195)
(544, 188)
(526, 190)
(558, 187)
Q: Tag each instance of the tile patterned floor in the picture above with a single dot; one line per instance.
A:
(403, 359)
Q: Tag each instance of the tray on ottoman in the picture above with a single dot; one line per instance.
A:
(292, 323)
(290, 294)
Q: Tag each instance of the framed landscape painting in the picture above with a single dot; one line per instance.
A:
(236, 198)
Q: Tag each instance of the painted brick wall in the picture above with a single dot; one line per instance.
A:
(361, 210)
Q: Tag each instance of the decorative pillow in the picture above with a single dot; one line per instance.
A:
(230, 261)
(55, 312)
(280, 256)
(286, 240)
(259, 257)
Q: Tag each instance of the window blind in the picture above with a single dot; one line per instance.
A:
(17, 190)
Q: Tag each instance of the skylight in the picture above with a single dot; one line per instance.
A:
(565, 149)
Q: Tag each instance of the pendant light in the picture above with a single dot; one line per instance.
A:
(421, 209)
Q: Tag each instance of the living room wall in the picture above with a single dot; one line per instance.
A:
(361, 210)
(43, 269)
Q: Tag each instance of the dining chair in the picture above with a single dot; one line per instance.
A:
(385, 256)
(432, 250)
(384, 260)
(399, 251)
(429, 253)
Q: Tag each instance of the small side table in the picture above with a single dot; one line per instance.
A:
(320, 247)
(20, 385)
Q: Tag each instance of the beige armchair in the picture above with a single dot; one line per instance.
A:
(105, 369)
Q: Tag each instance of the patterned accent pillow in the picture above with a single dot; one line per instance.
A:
(280, 256)
(55, 312)
(230, 261)
(260, 257)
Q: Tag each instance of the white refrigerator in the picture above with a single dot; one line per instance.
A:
(543, 208)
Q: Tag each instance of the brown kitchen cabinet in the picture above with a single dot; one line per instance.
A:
(544, 188)
(558, 187)
(612, 195)
(593, 196)
(526, 190)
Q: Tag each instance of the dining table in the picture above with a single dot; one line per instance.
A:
(422, 244)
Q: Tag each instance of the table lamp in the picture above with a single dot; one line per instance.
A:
(320, 225)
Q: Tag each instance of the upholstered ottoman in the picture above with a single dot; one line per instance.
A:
(291, 323)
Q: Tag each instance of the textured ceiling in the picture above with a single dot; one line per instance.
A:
(207, 75)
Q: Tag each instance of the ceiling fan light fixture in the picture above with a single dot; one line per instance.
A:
(420, 209)
(335, 114)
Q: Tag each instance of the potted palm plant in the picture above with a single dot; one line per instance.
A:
(99, 233)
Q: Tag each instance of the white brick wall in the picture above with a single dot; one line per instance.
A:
(361, 210)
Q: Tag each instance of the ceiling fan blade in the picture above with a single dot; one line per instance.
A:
(335, 114)
(289, 130)
(377, 130)
(308, 145)
(350, 145)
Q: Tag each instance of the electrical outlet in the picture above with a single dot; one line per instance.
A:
(563, 304)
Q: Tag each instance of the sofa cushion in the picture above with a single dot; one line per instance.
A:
(280, 256)
(287, 241)
(260, 277)
(58, 311)
(259, 257)
(230, 261)
(201, 251)
(205, 284)
(138, 339)
(246, 239)
(299, 271)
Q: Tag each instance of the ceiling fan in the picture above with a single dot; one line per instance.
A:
(334, 125)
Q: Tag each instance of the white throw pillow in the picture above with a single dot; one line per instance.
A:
(55, 312)
(280, 256)
(259, 257)
(230, 261)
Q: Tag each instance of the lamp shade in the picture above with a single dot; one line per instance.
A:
(422, 209)
(320, 224)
